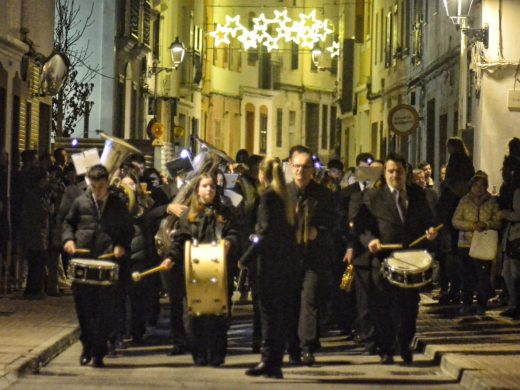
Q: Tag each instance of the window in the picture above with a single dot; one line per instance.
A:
(263, 130)
(28, 120)
(376, 38)
(294, 55)
(360, 21)
(279, 127)
(156, 36)
(324, 126)
(252, 54)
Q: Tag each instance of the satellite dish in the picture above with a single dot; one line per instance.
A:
(54, 73)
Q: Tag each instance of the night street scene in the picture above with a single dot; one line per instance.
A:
(262, 194)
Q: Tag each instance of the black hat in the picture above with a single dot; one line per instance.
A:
(178, 166)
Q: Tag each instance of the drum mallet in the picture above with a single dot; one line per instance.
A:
(137, 276)
(106, 256)
(390, 247)
(81, 251)
(423, 237)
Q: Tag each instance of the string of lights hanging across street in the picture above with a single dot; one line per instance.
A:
(307, 31)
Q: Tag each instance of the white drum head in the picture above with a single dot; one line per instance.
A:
(410, 261)
(93, 263)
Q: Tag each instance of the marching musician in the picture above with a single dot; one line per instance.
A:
(206, 220)
(395, 213)
(314, 219)
(275, 264)
(99, 222)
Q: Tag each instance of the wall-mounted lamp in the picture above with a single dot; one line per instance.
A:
(458, 11)
(316, 54)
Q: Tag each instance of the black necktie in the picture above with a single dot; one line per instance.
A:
(399, 202)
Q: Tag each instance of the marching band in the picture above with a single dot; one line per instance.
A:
(130, 236)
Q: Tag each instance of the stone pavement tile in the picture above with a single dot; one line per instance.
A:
(484, 371)
(32, 332)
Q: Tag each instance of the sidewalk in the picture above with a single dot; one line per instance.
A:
(482, 352)
(33, 332)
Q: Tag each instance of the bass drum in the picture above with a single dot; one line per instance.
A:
(206, 279)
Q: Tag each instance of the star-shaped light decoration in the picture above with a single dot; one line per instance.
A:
(271, 43)
(309, 22)
(220, 35)
(260, 26)
(282, 20)
(334, 49)
(322, 30)
(248, 40)
(308, 40)
(233, 25)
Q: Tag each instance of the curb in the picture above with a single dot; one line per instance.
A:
(39, 356)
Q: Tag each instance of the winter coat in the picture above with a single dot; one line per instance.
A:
(35, 219)
(468, 212)
(99, 234)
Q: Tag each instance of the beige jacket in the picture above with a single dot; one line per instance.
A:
(468, 212)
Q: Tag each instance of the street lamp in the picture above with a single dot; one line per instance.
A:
(316, 54)
(177, 52)
(458, 11)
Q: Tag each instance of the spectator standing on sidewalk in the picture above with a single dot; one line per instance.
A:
(477, 211)
(34, 230)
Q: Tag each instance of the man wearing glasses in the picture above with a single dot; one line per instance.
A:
(314, 205)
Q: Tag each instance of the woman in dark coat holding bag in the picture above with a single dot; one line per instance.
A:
(275, 263)
(206, 220)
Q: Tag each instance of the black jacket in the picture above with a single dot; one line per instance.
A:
(380, 218)
(318, 203)
(99, 235)
(205, 229)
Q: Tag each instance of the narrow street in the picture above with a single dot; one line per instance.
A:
(339, 363)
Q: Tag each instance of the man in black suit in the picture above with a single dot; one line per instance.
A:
(315, 224)
(393, 214)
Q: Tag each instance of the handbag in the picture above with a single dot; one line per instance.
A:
(484, 245)
(513, 241)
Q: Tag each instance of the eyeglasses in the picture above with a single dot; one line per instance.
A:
(299, 166)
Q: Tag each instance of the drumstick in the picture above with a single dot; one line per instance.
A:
(81, 251)
(137, 276)
(423, 237)
(391, 246)
(106, 256)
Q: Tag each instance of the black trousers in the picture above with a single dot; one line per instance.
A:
(36, 260)
(177, 296)
(95, 310)
(475, 278)
(207, 336)
(313, 291)
(365, 281)
(273, 300)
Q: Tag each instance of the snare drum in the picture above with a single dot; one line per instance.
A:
(90, 271)
(206, 279)
(408, 269)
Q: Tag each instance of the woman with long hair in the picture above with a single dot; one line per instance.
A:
(206, 220)
(275, 263)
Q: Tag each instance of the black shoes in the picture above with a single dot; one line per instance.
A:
(308, 359)
(98, 362)
(386, 358)
(407, 356)
(295, 360)
(263, 369)
(85, 358)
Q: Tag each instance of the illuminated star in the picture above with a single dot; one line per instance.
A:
(260, 27)
(233, 25)
(322, 30)
(220, 35)
(308, 40)
(334, 49)
(309, 22)
(271, 43)
(248, 40)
